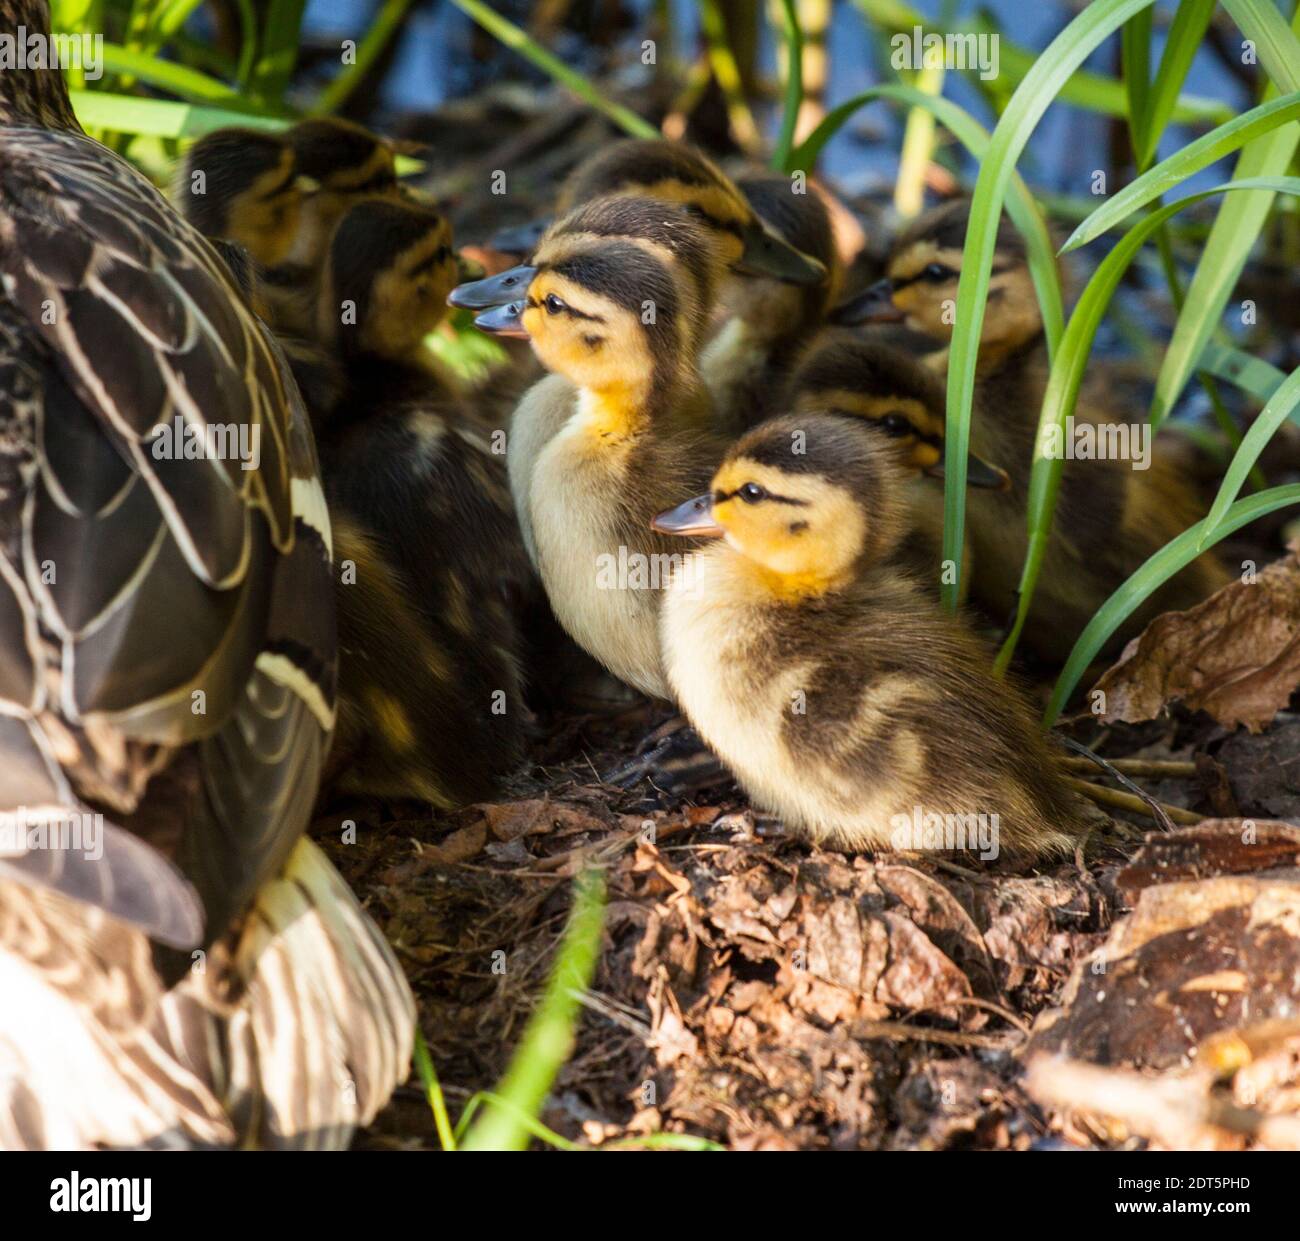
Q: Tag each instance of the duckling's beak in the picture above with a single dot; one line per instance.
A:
(695, 518)
(504, 320)
(468, 269)
(505, 286)
(522, 239)
(979, 473)
(767, 253)
(875, 304)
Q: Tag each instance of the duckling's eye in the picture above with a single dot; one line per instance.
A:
(937, 272)
(895, 424)
(553, 304)
(752, 493)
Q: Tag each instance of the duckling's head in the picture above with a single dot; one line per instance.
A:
(617, 298)
(241, 185)
(890, 392)
(809, 501)
(342, 163)
(776, 309)
(920, 284)
(387, 275)
(674, 173)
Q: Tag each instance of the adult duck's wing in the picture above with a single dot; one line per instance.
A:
(165, 608)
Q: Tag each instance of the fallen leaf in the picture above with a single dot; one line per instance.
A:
(1236, 656)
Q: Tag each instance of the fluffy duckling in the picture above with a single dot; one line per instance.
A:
(383, 289)
(768, 322)
(180, 965)
(596, 448)
(431, 563)
(1110, 516)
(242, 186)
(827, 678)
(673, 172)
(891, 392)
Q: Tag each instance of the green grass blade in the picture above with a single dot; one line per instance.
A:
(1258, 378)
(1021, 206)
(793, 86)
(160, 118)
(1241, 218)
(519, 41)
(382, 28)
(1094, 92)
(433, 1092)
(278, 50)
(1280, 407)
(1135, 61)
(1032, 97)
(548, 1037)
(1186, 33)
(1168, 561)
(178, 79)
(1066, 376)
(1194, 157)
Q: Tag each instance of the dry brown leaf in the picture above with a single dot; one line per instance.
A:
(1236, 656)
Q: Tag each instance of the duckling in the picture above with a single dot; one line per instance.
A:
(430, 689)
(848, 375)
(824, 675)
(1110, 516)
(168, 687)
(383, 289)
(673, 172)
(767, 322)
(242, 186)
(596, 447)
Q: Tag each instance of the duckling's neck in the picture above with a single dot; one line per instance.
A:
(755, 583)
(625, 410)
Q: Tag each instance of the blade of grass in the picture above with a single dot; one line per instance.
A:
(971, 134)
(548, 1037)
(1032, 97)
(1258, 378)
(1194, 157)
(385, 24)
(1168, 561)
(278, 50)
(1280, 407)
(161, 118)
(1241, 218)
(519, 41)
(793, 85)
(1135, 63)
(433, 1092)
(1094, 92)
(1063, 384)
(180, 80)
(1186, 33)
(530, 1124)
(918, 135)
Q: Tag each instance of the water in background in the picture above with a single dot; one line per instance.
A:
(433, 64)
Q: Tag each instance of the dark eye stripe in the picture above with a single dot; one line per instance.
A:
(720, 496)
(570, 311)
(440, 255)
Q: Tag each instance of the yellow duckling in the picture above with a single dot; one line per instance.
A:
(598, 448)
(827, 678)
(1113, 511)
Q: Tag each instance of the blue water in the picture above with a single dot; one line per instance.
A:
(433, 64)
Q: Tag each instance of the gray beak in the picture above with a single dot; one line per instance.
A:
(506, 286)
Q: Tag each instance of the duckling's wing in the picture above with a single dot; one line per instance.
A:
(169, 633)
